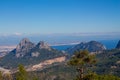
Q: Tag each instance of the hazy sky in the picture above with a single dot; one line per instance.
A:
(59, 16)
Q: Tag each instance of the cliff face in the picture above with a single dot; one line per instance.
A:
(92, 46)
(118, 45)
(43, 45)
(23, 47)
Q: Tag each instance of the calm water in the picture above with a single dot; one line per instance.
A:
(110, 44)
(62, 47)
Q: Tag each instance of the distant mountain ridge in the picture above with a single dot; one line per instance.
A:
(92, 46)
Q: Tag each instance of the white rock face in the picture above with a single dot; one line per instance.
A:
(46, 63)
(4, 71)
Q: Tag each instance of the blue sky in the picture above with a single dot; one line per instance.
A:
(59, 16)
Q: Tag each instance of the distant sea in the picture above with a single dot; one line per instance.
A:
(109, 44)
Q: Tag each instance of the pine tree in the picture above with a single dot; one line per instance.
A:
(22, 74)
(81, 60)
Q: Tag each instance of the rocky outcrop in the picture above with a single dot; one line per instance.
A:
(23, 47)
(92, 46)
(43, 45)
(35, 54)
(118, 45)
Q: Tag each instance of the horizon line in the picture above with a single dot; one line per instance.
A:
(72, 34)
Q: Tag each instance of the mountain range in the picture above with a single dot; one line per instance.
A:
(39, 56)
(28, 53)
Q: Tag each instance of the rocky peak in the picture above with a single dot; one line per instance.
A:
(43, 45)
(118, 45)
(23, 47)
(92, 46)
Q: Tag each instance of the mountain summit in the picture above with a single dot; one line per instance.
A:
(92, 46)
(23, 47)
(43, 45)
(118, 45)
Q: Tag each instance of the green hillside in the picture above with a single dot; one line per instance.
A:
(10, 61)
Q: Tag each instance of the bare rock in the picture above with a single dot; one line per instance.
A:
(24, 47)
(43, 45)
